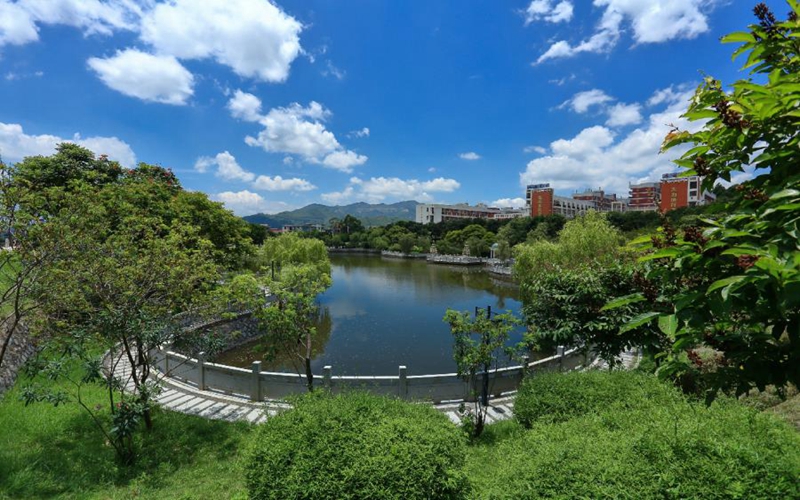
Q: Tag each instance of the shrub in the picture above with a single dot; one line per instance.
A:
(357, 446)
(558, 397)
(635, 437)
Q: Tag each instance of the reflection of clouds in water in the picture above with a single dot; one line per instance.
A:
(344, 309)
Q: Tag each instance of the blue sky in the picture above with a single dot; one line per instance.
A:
(269, 106)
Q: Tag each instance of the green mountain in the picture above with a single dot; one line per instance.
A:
(370, 215)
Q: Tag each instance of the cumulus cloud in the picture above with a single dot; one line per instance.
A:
(624, 114)
(548, 10)
(619, 114)
(246, 202)
(508, 203)
(598, 156)
(378, 189)
(471, 155)
(534, 149)
(19, 20)
(227, 167)
(364, 132)
(145, 76)
(583, 101)
(278, 183)
(255, 38)
(245, 106)
(344, 161)
(296, 130)
(15, 145)
(651, 21)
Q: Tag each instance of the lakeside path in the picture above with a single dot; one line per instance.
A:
(187, 399)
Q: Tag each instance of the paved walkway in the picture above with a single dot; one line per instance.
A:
(185, 398)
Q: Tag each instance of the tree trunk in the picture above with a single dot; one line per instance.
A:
(309, 375)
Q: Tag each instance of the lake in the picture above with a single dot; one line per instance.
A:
(381, 313)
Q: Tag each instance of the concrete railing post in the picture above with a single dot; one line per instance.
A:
(255, 384)
(201, 371)
(560, 353)
(524, 368)
(326, 376)
(402, 386)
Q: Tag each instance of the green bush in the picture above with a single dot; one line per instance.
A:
(558, 397)
(357, 446)
(630, 436)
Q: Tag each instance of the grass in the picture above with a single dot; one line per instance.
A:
(48, 452)
(653, 444)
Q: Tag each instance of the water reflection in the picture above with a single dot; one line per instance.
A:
(381, 313)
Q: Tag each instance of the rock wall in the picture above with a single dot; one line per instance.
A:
(19, 350)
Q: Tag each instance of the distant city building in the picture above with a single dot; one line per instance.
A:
(302, 228)
(602, 202)
(543, 201)
(678, 192)
(644, 197)
(428, 213)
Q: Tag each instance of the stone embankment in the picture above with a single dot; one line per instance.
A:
(20, 348)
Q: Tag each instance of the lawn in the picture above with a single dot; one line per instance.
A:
(646, 441)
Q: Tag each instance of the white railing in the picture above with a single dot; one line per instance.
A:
(258, 385)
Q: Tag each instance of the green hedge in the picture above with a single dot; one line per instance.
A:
(557, 397)
(627, 435)
(357, 446)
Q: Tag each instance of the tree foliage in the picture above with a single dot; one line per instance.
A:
(478, 344)
(733, 284)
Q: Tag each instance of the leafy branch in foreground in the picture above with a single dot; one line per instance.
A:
(733, 284)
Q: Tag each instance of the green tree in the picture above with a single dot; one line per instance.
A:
(732, 284)
(584, 241)
(478, 344)
(406, 243)
(291, 249)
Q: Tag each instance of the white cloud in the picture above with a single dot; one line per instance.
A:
(150, 78)
(596, 156)
(246, 202)
(278, 183)
(227, 167)
(432, 169)
(582, 101)
(624, 114)
(332, 71)
(652, 21)
(19, 21)
(534, 149)
(544, 10)
(15, 145)
(255, 38)
(364, 132)
(378, 189)
(471, 155)
(297, 130)
(508, 203)
(344, 161)
(245, 106)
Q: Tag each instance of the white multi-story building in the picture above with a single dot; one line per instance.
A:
(428, 213)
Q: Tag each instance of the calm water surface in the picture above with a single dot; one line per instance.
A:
(382, 313)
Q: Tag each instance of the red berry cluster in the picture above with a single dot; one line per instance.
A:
(649, 290)
(701, 167)
(729, 117)
(746, 261)
(694, 234)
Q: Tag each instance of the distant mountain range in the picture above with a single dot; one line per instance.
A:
(370, 215)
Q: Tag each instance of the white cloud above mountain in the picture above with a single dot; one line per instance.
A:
(247, 203)
(15, 145)
(508, 203)
(227, 168)
(379, 189)
(296, 130)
